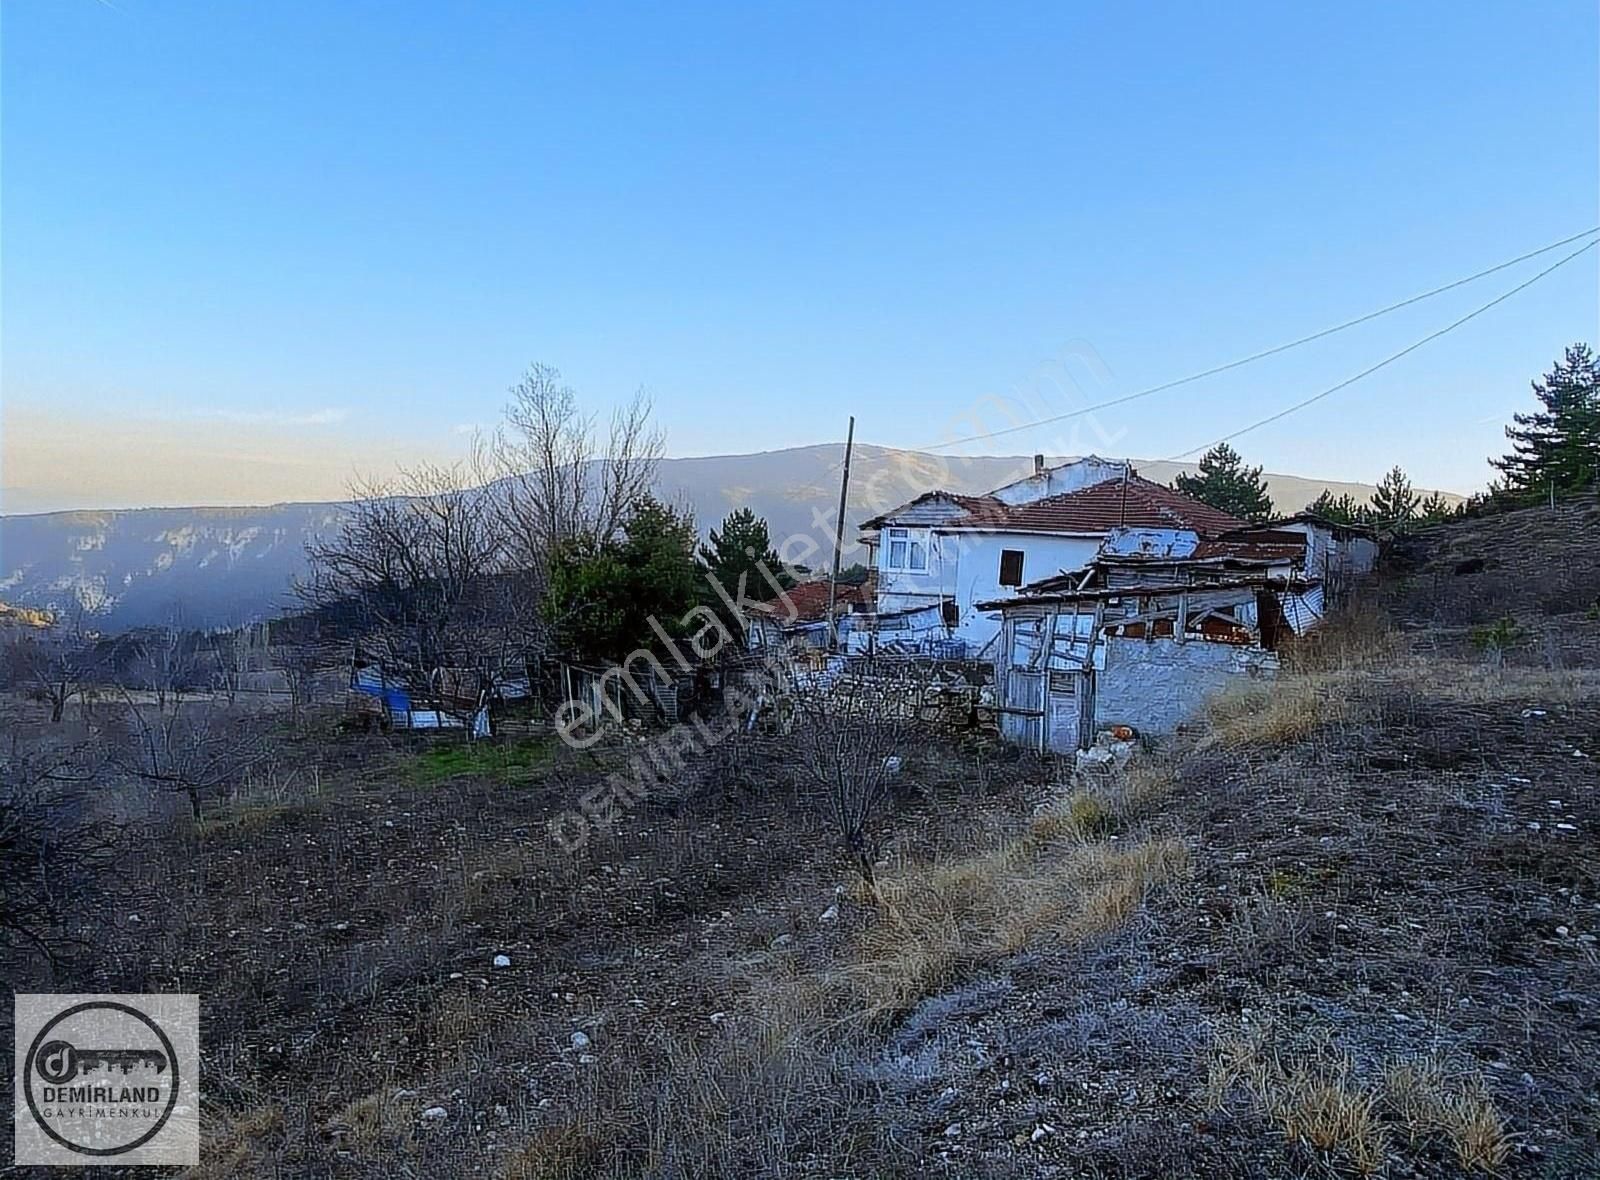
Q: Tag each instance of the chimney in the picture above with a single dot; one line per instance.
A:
(1038, 464)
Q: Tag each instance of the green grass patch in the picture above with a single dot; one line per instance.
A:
(522, 761)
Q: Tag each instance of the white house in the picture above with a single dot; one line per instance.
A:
(942, 553)
(1335, 554)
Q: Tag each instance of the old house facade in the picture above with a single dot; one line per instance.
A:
(1140, 639)
(941, 555)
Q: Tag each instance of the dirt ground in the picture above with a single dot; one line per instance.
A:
(1379, 956)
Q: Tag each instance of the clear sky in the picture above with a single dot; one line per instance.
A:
(249, 247)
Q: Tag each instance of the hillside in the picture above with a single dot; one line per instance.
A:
(1346, 925)
(224, 566)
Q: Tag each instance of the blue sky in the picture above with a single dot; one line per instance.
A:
(291, 238)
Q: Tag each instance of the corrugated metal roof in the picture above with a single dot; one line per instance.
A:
(924, 509)
(1251, 550)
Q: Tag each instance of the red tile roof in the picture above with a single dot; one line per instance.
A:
(809, 600)
(1135, 502)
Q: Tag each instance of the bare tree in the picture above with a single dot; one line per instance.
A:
(53, 854)
(167, 659)
(55, 665)
(229, 658)
(299, 663)
(193, 748)
(411, 566)
(850, 731)
(558, 481)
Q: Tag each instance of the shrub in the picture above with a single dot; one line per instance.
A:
(1497, 637)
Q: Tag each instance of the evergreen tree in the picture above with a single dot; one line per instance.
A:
(1224, 482)
(738, 549)
(1435, 508)
(1556, 449)
(734, 559)
(1344, 509)
(603, 595)
(1395, 503)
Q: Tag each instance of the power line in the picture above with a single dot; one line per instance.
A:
(1388, 360)
(1274, 351)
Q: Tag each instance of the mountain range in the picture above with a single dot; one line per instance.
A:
(218, 567)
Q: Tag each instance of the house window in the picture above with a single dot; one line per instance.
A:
(1011, 567)
(906, 553)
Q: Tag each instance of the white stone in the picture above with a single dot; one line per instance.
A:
(580, 1040)
(502, 960)
(831, 914)
(435, 1114)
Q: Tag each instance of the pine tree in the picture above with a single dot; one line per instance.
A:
(1225, 482)
(738, 550)
(1435, 508)
(1395, 503)
(1556, 450)
(1344, 509)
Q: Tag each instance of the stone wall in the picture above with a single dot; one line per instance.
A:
(1154, 685)
(953, 705)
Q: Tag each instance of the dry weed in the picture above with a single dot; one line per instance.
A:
(1287, 710)
(1476, 683)
(937, 922)
(1429, 1102)
(1477, 1131)
(1081, 815)
(1361, 636)
(238, 1144)
(378, 1119)
(566, 1152)
(1319, 1103)
(1316, 1099)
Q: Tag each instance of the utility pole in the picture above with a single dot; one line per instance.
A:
(838, 537)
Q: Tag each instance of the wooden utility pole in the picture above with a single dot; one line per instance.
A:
(838, 537)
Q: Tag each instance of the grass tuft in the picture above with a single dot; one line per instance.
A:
(514, 763)
(937, 922)
(1279, 713)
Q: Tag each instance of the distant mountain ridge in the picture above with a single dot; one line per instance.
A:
(225, 566)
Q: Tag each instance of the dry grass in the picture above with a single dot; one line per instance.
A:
(765, 1089)
(1288, 710)
(1082, 815)
(1428, 1102)
(381, 1119)
(1320, 1104)
(937, 922)
(234, 821)
(238, 1144)
(1477, 683)
(554, 1153)
(1316, 1099)
(1359, 637)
